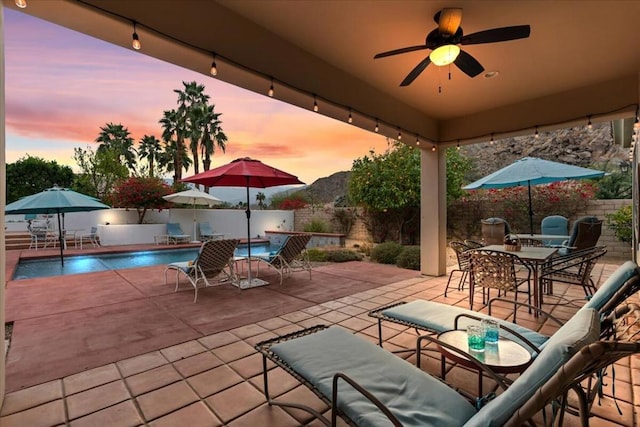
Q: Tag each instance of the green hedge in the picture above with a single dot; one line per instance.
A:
(409, 258)
(386, 253)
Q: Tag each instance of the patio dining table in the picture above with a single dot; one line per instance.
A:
(535, 257)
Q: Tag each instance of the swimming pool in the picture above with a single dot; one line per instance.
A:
(29, 269)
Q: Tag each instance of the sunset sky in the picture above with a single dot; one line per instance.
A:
(62, 86)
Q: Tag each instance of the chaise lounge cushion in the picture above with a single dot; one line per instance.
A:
(582, 329)
(417, 399)
(606, 290)
(440, 317)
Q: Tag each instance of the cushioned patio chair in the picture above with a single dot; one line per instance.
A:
(555, 225)
(175, 234)
(344, 370)
(291, 256)
(494, 230)
(584, 234)
(214, 261)
(434, 317)
(207, 233)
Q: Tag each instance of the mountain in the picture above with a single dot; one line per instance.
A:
(576, 146)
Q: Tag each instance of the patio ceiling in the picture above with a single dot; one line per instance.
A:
(582, 58)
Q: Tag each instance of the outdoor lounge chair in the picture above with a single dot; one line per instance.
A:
(206, 232)
(369, 386)
(434, 317)
(291, 256)
(91, 237)
(214, 261)
(175, 234)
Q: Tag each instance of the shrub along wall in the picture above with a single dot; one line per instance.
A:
(464, 222)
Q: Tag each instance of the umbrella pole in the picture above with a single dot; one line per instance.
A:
(195, 238)
(248, 234)
(530, 210)
(61, 239)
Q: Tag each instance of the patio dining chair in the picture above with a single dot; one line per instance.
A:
(555, 225)
(498, 270)
(175, 233)
(584, 234)
(214, 261)
(574, 269)
(291, 256)
(463, 255)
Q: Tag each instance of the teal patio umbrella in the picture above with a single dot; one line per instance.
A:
(55, 200)
(532, 171)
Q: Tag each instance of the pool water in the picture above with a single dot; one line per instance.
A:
(29, 269)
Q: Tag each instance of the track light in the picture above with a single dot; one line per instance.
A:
(315, 104)
(537, 134)
(491, 141)
(417, 139)
(214, 66)
(399, 135)
(458, 146)
(433, 147)
(21, 3)
(377, 128)
(589, 124)
(350, 119)
(136, 41)
(270, 93)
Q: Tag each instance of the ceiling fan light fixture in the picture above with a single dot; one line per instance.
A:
(444, 55)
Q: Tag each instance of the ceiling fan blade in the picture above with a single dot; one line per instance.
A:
(449, 20)
(497, 35)
(468, 64)
(399, 51)
(416, 72)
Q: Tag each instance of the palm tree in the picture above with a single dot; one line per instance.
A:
(173, 126)
(118, 138)
(212, 135)
(150, 149)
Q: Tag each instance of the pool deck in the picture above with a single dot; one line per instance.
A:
(121, 348)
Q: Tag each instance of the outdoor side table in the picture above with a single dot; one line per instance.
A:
(505, 357)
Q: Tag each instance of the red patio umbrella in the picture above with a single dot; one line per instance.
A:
(245, 172)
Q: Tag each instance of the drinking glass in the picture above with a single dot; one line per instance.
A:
(475, 337)
(491, 331)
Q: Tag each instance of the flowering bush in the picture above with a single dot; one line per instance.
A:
(564, 198)
(141, 193)
(292, 204)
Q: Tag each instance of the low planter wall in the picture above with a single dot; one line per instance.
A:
(317, 239)
(129, 234)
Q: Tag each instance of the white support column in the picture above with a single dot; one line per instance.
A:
(433, 212)
(3, 202)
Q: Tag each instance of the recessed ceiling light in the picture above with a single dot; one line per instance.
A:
(491, 74)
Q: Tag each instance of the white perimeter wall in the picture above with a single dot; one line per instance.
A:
(232, 222)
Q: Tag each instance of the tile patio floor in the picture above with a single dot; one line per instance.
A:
(121, 349)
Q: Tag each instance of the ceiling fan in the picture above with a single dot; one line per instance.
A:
(444, 41)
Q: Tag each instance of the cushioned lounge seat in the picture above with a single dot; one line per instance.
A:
(324, 359)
